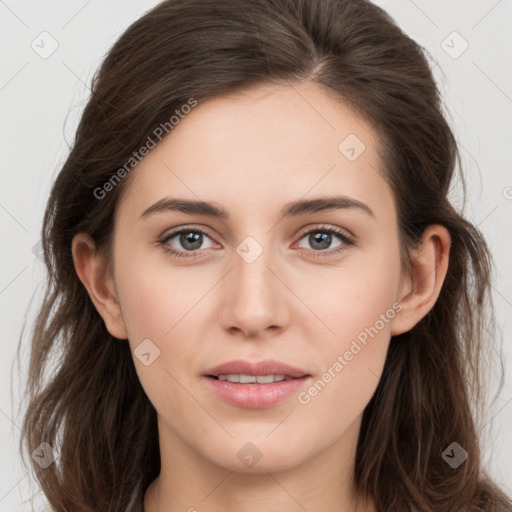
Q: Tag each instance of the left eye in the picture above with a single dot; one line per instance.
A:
(321, 239)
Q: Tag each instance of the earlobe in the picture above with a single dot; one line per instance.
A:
(420, 292)
(91, 268)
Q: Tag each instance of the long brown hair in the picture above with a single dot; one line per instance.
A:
(84, 396)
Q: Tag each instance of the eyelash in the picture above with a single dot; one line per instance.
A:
(347, 241)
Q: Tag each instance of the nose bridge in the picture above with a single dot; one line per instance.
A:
(253, 258)
(255, 296)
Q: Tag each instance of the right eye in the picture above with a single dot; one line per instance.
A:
(190, 239)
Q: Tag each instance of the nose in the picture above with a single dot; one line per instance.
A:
(254, 298)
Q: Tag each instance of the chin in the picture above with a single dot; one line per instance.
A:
(257, 457)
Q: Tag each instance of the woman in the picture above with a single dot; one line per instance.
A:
(208, 359)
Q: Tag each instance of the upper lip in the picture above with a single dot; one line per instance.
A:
(267, 367)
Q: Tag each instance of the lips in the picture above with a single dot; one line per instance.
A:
(267, 367)
(256, 395)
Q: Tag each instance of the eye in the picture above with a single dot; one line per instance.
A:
(321, 238)
(190, 240)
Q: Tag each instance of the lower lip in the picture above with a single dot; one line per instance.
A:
(256, 396)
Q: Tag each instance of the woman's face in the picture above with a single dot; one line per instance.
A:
(257, 284)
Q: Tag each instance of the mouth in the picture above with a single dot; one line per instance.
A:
(252, 379)
(256, 388)
(262, 372)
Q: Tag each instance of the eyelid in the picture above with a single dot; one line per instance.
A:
(347, 239)
(167, 235)
(327, 227)
(302, 232)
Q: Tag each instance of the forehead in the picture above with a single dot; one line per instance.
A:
(265, 145)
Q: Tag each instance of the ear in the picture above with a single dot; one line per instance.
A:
(420, 291)
(93, 271)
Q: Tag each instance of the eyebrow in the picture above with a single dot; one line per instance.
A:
(293, 209)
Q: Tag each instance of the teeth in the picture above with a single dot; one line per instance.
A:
(248, 379)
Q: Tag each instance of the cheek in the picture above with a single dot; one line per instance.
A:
(358, 304)
(158, 313)
(354, 296)
(162, 311)
(155, 299)
(351, 364)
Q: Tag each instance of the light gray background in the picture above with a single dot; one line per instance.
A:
(41, 99)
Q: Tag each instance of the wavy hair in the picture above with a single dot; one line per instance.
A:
(83, 396)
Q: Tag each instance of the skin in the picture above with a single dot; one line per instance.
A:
(251, 153)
